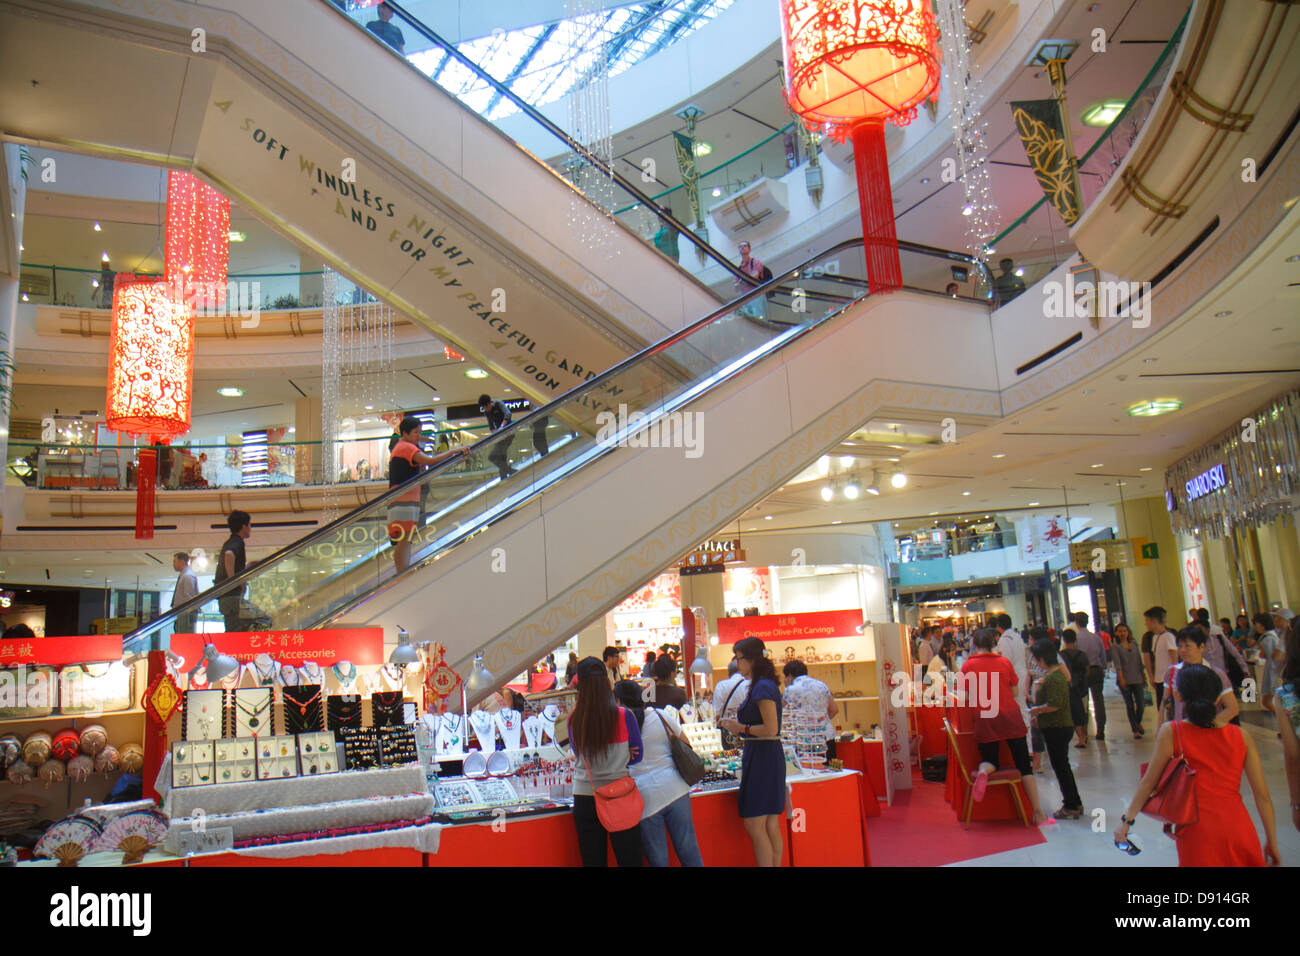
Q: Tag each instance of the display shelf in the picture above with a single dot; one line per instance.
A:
(7, 723)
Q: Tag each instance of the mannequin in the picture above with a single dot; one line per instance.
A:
(311, 673)
(342, 678)
(261, 671)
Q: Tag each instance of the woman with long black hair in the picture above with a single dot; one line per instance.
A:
(762, 768)
(606, 740)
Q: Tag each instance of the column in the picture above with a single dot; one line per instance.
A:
(307, 428)
(1158, 583)
(8, 326)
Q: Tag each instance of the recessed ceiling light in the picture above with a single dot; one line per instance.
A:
(827, 492)
(231, 391)
(1154, 407)
(767, 517)
(97, 228)
(234, 235)
(1150, 361)
(370, 408)
(717, 191)
(475, 373)
(852, 490)
(1145, 468)
(836, 522)
(1103, 113)
(926, 179)
(1223, 315)
(1020, 271)
(898, 479)
(965, 494)
(967, 209)
(103, 257)
(1000, 455)
(1033, 504)
(1097, 465)
(933, 513)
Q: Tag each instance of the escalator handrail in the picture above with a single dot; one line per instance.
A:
(238, 582)
(538, 117)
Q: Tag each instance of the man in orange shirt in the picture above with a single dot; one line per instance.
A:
(403, 465)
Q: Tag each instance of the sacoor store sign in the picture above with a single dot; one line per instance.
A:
(773, 628)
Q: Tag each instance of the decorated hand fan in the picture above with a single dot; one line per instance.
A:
(131, 759)
(81, 767)
(36, 748)
(133, 833)
(66, 744)
(20, 772)
(77, 830)
(94, 738)
(10, 749)
(106, 759)
(52, 771)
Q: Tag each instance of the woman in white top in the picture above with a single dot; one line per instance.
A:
(666, 795)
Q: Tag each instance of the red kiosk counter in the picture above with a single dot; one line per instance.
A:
(826, 827)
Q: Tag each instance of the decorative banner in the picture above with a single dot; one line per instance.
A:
(774, 628)
(58, 651)
(162, 698)
(1042, 131)
(1039, 536)
(893, 663)
(360, 645)
(146, 483)
(684, 147)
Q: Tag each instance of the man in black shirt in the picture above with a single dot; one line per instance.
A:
(498, 417)
(383, 29)
(240, 615)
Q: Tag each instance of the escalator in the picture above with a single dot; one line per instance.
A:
(330, 137)
(649, 458)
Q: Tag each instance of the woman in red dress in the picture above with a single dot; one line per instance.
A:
(1223, 834)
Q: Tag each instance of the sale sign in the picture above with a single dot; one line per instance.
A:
(360, 645)
(58, 651)
(1195, 587)
(771, 628)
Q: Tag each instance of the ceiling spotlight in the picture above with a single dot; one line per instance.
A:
(234, 235)
(874, 488)
(1097, 465)
(1145, 468)
(898, 479)
(1154, 407)
(103, 257)
(827, 492)
(1020, 270)
(999, 455)
(475, 373)
(767, 517)
(717, 191)
(824, 465)
(97, 228)
(852, 490)
(231, 391)
(965, 494)
(1033, 504)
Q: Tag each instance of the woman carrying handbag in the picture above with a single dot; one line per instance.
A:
(1200, 795)
(664, 788)
(606, 739)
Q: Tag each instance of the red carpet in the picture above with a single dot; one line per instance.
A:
(920, 829)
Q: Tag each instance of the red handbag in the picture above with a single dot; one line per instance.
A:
(619, 805)
(1173, 801)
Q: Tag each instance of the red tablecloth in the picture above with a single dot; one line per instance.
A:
(823, 831)
(929, 725)
(867, 757)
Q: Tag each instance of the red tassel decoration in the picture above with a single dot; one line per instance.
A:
(876, 203)
(146, 481)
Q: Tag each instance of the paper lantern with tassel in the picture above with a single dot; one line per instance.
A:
(198, 240)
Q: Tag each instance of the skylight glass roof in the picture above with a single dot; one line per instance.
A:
(542, 63)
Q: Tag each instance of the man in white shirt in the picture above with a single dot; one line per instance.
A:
(1164, 649)
(187, 586)
(1095, 648)
(730, 693)
(1012, 646)
(811, 698)
(925, 651)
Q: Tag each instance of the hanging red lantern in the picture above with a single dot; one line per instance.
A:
(150, 376)
(198, 239)
(853, 65)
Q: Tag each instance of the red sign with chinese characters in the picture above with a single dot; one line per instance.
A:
(57, 651)
(790, 627)
(360, 645)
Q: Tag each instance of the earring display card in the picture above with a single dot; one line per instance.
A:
(360, 748)
(253, 712)
(343, 711)
(386, 709)
(236, 760)
(397, 746)
(205, 714)
(317, 753)
(192, 763)
(303, 711)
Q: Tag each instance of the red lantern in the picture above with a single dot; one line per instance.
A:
(150, 376)
(198, 239)
(853, 64)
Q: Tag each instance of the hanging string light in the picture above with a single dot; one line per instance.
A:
(589, 123)
(969, 129)
(198, 239)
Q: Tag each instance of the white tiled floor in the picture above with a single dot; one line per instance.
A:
(1107, 774)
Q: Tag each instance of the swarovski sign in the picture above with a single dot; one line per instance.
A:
(1206, 482)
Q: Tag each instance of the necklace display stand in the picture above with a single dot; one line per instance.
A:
(508, 723)
(485, 730)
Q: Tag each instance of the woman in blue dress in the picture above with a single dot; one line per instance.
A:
(762, 773)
